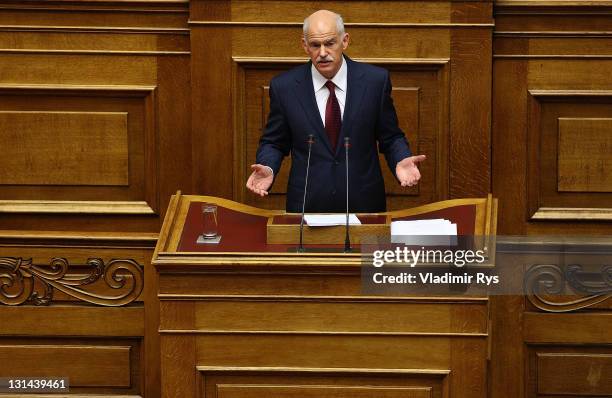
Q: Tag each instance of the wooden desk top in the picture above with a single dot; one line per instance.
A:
(243, 228)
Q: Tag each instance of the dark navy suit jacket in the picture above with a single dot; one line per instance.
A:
(369, 119)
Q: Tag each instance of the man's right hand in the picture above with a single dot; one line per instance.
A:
(260, 179)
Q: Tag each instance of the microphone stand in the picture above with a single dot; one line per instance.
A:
(310, 142)
(347, 239)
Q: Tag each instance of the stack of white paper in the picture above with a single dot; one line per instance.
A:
(327, 220)
(418, 232)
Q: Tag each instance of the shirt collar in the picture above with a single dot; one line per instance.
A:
(318, 80)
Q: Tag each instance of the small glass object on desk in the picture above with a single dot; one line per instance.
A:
(209, 224)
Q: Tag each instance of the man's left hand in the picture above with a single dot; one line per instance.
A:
(407, 171)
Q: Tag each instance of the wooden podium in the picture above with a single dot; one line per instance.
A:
(245, 318)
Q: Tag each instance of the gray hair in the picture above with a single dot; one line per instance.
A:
(339, 25)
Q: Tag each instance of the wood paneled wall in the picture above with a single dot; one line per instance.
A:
(106, 92)
(551, 345)
(94, 113)
(551, 151)
(552, 117)
(439, 55)
(73, 330)
(95, 132)
(108, 107)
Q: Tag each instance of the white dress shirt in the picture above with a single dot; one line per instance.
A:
(322, 93)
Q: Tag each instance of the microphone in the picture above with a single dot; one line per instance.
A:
(347, 239)
(310, 142)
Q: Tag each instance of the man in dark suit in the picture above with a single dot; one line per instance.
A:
(332, 97)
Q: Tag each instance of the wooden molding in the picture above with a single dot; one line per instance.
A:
(548, 56)
(571, 329)
(91, 52)
(385, 61)
(349, 25)
(566, 213)
(287, 369)
(75, 207)
(324, 299)
(92, 239)
(153, 4)
(94, 29)
(96, 90)
(552, 3)
(169, 220)
(319, 333)
(570, 93)
(552, 34)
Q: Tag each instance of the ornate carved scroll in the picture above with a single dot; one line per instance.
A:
(22, 282)
(547, 287)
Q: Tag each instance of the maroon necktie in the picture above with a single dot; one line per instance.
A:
(333, 122)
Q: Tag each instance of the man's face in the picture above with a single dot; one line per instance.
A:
(325, 46)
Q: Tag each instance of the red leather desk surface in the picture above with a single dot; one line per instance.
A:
(244, 233)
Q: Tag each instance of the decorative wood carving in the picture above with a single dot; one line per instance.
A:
(551, 289)
(22, 282)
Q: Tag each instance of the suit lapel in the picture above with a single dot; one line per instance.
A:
(355, 91)
(306, 96)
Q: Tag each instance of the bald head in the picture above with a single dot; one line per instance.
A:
(326, 19)
(324, 41)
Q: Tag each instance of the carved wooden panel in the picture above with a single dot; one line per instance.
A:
(320, 350)
(569, 152)
(311, 383)
(574, 374)
(334, 316)
(87, 58)
(63, 40)
(572, 370)
(329, 391)
(114, 16)
(93, 366)
(84, 58)
(578, 328)
(64, 148)
(75, 68)
(388, 11)
(551, 85)
(79, 144)
(85, 366)
(293, 330)
(100, 347)
(585, 155)
(116, 283)
(562, 349)
(551, 64)
(60, 320)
